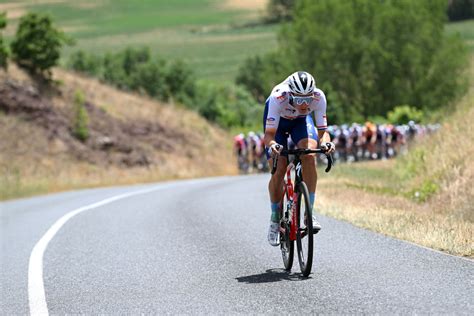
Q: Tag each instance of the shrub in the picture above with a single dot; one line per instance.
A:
(37, 44)
(150, 77)
(113, 71)
(227, 104)
(83, 62)
(81, 118)
(131, 58)
(180, 82)
(402, 114)
(424, 191)
(3, 48)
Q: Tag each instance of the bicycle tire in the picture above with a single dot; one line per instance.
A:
(304, 234)
(287, 246)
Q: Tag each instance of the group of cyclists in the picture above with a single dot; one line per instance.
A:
(355, 142)
(371, 141)
(250, 152)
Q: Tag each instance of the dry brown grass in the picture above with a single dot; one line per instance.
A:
(447, 158)
(397, 217)
(32, 164)
(245, 4)
(255, 8)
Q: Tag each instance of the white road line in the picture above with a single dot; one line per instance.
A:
(36, 294)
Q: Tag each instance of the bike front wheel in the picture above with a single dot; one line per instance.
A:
(304, 234)
(287, 246)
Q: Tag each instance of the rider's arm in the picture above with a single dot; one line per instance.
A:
(269, 138)
(323, 137)
(320, 118)
(272, 121)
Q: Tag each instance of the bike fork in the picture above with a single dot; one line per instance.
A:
(294, 217)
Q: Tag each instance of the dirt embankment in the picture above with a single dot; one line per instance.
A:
(131, 138)
(111, 142)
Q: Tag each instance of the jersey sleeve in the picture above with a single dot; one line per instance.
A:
(273, 116)
(320, 111)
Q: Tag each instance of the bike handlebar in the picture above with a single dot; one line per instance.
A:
(303, 151)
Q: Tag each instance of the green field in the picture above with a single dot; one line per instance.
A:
(465, 30)
(208, 34)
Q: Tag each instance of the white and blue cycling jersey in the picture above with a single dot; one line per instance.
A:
(281, 115)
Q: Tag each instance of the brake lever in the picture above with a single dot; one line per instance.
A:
(275, 161)
(330, 162)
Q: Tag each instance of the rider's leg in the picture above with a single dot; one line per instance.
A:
(308, 162)
(275, 186)
(275, 189)
(310, 176)
(305, 136)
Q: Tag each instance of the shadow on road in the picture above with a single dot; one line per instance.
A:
(272, 275)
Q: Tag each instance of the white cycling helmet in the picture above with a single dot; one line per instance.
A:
(301, 82)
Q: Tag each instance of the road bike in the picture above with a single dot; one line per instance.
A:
(296, 221)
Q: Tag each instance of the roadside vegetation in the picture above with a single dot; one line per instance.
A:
(425, 197)
(87, 134)
(368, 56)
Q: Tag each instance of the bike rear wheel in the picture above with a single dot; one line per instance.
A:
(304, 234)
(287, 246)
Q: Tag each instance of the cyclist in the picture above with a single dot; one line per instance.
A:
(253, 142)
(240, 150)
(287, 111)
(369, 132)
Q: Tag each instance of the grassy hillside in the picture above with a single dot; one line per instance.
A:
(132, 138)
(426, 197)
(207, 33)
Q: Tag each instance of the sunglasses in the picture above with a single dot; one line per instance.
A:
(300, 100)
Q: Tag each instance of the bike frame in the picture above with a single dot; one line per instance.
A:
(292, 195)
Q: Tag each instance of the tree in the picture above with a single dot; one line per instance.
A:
(251, 75)
(227, 104)
(3, 48)
(259, 74)
(37, 44)
(376, 54)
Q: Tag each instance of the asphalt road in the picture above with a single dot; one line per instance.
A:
(199, 247)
